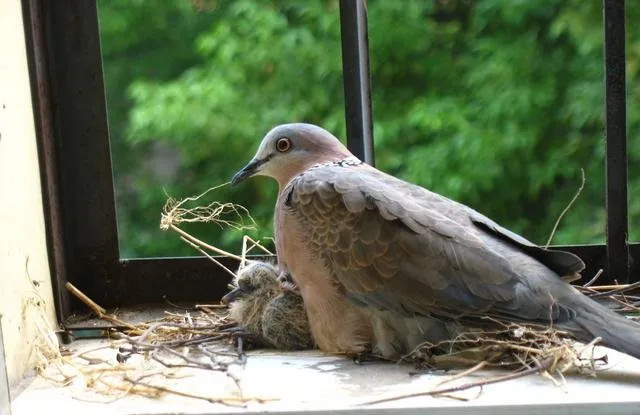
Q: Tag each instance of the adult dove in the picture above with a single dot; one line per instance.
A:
(385, 265)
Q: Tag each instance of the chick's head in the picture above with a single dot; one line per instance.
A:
(254, 286)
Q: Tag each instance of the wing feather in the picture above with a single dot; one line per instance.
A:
(396, 246)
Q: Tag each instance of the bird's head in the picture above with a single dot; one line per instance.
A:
(289, 149)
(255, 280)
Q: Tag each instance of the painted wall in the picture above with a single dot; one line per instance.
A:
(26, 301)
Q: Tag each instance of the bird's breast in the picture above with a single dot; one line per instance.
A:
(294, 255)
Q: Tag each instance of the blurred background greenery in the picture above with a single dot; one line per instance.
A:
(495, 103)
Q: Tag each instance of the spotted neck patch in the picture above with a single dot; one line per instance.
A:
(346, 162)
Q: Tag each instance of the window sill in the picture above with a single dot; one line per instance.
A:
(311, 381)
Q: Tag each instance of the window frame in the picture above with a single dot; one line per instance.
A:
(67, 86)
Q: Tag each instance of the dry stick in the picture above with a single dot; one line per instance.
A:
(204, 244)
(464, 373)
(189, 365)
(92, 360)
(214, 361)
(215, 261)
(229, 401)
(144, 346)
(544, 366)
(617, 289)
(553, 380)
(213, 364)
(594, 279)
(628, 306)
(149, 330)
(209, 307)
(566, 209)
(597, 288)
(139, 340)
(142, 337)
(246, 250)
(586, 290)
(101, 312)
(451, 359)
(591, 345)
(255, 244)
(83, 297)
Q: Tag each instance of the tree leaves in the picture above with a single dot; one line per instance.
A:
(496, 104)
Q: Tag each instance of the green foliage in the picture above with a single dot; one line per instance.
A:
(497, 104)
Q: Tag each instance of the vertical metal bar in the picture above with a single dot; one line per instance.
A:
(616, 140)
(357, 82)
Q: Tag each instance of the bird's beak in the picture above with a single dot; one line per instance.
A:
(247, 171)
(232, 296)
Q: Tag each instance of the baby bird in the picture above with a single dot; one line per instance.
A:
(271, 310)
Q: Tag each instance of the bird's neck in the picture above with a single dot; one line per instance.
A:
(296, 167)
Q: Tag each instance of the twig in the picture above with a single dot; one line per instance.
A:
(101, 312)
(544, 366)
(211, 306)
(204, 244)
(254, 244)
(240, 360)
(92, 360)
(620, 289)
(594, 279)
(83, 297)
(205, 253)
(566, 209)
(144, 346)
(590, 346)
(230, 401)
(627, 305)
(188, 364)
(598, 288)
(464, 373)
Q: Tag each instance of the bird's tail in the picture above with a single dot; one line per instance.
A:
(595, 320)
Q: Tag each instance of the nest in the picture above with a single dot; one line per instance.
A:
(148, 359)
(203, 338)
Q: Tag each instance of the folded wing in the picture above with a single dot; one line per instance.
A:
(395, 246)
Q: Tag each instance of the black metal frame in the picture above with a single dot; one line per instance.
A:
(356, 79)
(73, 141)
(618, 260)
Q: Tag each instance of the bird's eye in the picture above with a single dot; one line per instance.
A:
(283, 145)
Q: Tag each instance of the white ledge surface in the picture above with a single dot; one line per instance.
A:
(317, 383)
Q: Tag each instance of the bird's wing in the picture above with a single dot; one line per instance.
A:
(398, 247)
(561, 262)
